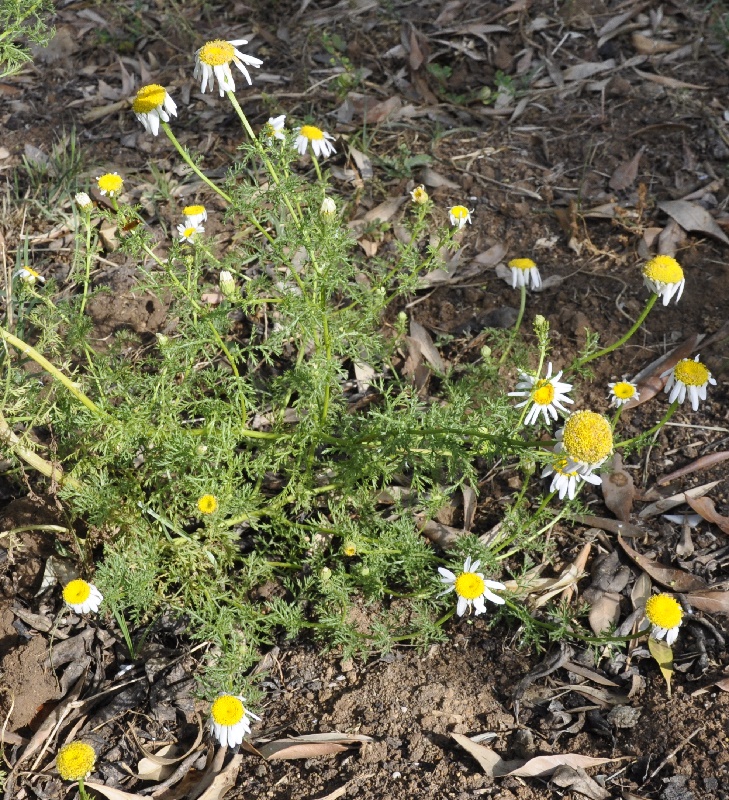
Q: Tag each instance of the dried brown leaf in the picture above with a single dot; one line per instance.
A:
(435, 180)
(651, 47)
(580, 72)
(705, 507)
(110, 792)
(489, 760)
(611, 525)
(544, 766)
(590, 674)
(625, 175)
(470, 504)
(641, 591)
(677, 580)
(311, 745)
(711, 602)
(670, 83)
(427, 348)
(604, 612)
(363, 163)
(663, 656)
(618, 490)
(491, 257)
(224, 780)
(693, 217)
(576, 779)
(705, 462)
(723, 684)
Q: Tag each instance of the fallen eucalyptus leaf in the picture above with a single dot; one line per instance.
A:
(693, 217)
(618, 490)
(311, 745)
(668, 503)
(712, 602)
(677, 580)
(705, 507)
(705, 462)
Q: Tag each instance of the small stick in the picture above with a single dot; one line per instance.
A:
(673, 752)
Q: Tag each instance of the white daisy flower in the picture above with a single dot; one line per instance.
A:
(328, 208)
(587, 441)
(230, 720)
(622, 392)
(522, 271)
(212, 61)
(664, 276)
(665, 614)
(458, 215)
(321, 141)
(548, 394)
(30, 276)
(82, 596)
(195, 215)
(472, 589)
(688, 378)
(152, 104)
(187, 233)
(566, 480)
(274, 128)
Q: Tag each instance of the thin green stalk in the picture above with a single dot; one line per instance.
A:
(623, 339)
(529, 539)
(190, 163)
(671, 411)
(54, 372)
(317, 168)
(517, 324)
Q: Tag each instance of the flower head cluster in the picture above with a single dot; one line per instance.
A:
(419, 195)
(230, 720)
(547, 394)
(195, 215)
(83, 201)
(622, 392)
(472, 589)
(664, 276)
(152, 104)
(320, 141)
(665, 614)
(75, 761)
(524, 270)
(82, 596)
(459, 216)
(688, 378)
(29, 276)
(111, 184)
(188, 232)
(212, 62)
(587, 440)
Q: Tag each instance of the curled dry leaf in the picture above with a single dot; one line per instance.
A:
(611, 525)
(625, 175)
(427, 348)
(705, 507)
(711, 602)
(693, 217)
(661, 506)
(110, 792)
(604, 612)
(576, 779)
(311, 745)
(677, 580)
(544, 766)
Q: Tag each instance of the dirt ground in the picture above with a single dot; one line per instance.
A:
(604, 112)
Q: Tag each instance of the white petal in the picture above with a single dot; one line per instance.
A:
(462, 606)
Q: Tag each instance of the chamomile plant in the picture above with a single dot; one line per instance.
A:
(239, 471)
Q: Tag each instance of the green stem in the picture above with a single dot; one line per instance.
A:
(88, 259)
(317, 168)
(54, 372)
(190, 163)
(517, 324)
(671, 411)
(623, 339)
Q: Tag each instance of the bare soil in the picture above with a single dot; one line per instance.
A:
(547, 173)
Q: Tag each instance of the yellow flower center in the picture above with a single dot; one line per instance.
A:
(31, 272)
(349, 549)
(588, 437)
(459, 212)
(227, 710)
(77, 592)
(623, 390)
(543, 393)
(522, 263)
(691, 373)
(189, 232)
(110, 183)
(469, 585)
(311, 132)
(663, 269)
(664, 611)
(217, 53)
(148, 98)
(208, 503)
(75, 761)
(193, 211)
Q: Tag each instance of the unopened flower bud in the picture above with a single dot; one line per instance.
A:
(83, 201)
(325, 574)
(328, 208)
(227, 285)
